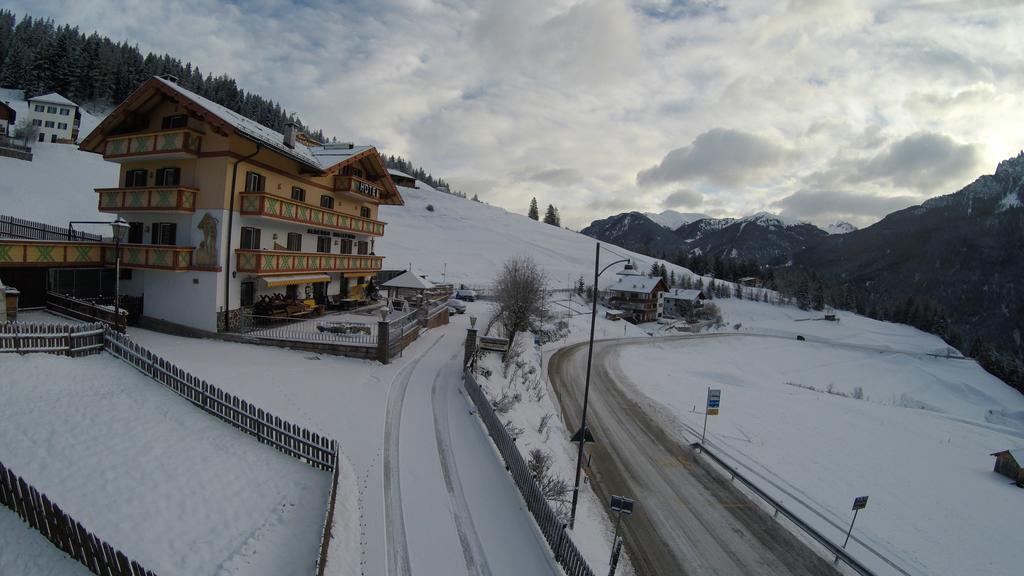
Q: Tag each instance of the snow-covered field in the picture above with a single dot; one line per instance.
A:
(912, 431)
(25, 552)
(176, 489)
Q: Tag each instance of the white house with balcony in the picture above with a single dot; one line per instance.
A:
(55, 117)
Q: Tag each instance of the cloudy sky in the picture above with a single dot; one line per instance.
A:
(817, 110)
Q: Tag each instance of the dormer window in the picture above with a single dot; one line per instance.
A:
(175, 121)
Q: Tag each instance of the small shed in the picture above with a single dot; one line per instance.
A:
(408, 285)
(1008, 463)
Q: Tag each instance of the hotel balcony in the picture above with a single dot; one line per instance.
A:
(265, 262)
(278, 208)
(17, 253)
(357, 188)
(158, 199)
(176, 258)
(176, 144)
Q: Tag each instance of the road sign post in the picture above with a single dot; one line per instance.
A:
(859, 503)
(622, 506)
(710, 409)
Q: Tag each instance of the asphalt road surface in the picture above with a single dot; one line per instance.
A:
(689, 518)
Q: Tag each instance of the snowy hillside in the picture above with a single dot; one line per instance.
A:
(473, 239)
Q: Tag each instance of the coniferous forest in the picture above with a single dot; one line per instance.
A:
(39, 57)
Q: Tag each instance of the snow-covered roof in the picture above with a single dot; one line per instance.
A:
(249, 128)
(394, 172)
(639, 284)
(330, 154)
(408, 280)
(52, 98)
(680, 294)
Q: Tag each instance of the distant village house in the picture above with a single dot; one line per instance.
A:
(637, 297)
(679, 303)
(55, 117)
(7, 119)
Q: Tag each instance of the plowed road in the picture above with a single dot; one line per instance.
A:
(689, 519)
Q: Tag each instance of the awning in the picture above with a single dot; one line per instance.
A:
(358, 274)
(274, 281)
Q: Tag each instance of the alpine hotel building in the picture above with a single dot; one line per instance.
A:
(223, 210)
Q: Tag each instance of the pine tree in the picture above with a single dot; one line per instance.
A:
(654, 271)
(672, 279)
(551, 216)
(534, 213)
(581, 286)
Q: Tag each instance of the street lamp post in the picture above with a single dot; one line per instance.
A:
(582, 434)
(120, 227)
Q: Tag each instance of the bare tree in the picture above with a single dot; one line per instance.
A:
(518, 295)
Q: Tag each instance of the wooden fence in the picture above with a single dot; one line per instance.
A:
(550, 525)
(63, 339)
(85, 310)
(62, 530)
(11, 227)
(317, 451)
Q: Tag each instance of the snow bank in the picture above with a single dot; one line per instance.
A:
(177, 490)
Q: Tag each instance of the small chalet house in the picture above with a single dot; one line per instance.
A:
(56, 118)
(679, 303)
(7, 119)
(637, 297)
(402, 179)
(224, 211)
(1010, 463)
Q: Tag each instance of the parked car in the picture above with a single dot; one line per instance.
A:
(456, 306)
(466, 294)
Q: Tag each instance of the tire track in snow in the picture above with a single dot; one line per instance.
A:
(472, 550)
(394, 517)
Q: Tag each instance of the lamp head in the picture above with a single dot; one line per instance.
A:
(120, 228)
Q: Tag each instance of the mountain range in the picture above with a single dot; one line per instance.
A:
(762, 237)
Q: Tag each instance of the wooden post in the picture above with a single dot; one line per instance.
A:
(383, 341)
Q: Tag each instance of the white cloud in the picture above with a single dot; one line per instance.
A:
(498, 97)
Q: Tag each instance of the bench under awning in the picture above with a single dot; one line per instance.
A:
(275, 281)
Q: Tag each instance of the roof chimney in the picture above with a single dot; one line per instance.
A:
(289, 134)
(170, 78)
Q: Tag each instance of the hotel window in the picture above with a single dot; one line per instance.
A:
(250, 238)
(40, 108)
(53, 138)
(48, 124)
(323, 244)
(364, 211)
(164, 233)
(298, 194)
(364, 247)
(37, 122)
(255, 182)
(62, 125)
(168, 176)
(327, 202)
(65, 111)
(346, 246)
(42, 137)
(248, 293)
(294, 242)
(135, 232)
(175, 121)
(135, 178)
(51, 109)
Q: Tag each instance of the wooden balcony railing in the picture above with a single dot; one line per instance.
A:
(158, 199)
(17, 253)
(281, 262)
(358, 187)
(152, 256)
(177, 143)
(270, 206)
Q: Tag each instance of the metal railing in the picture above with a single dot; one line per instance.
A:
(316, 330)
(553, 529)
(11, 227)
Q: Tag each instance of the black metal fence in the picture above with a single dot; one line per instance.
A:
(11, 227)
(555, 532)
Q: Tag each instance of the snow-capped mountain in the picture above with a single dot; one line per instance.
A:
(635, 231)
(672, 219)
(840, 228)
(763, 237)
